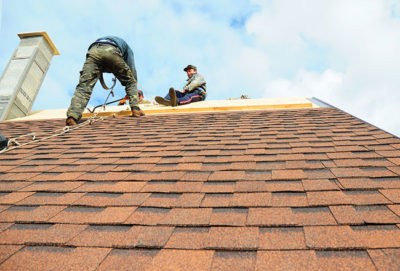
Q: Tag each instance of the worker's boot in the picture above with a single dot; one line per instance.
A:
(161, 100)
(172, 95)
(137, 113)
(70, 121)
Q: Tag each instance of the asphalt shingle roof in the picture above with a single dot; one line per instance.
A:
(297, 189)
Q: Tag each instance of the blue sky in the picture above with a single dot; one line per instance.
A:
(343, 52)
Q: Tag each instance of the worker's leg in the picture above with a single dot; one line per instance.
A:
(185, 98)
(123, 73)
(88, 78)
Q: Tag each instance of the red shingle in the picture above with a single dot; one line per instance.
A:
(233, 261)
(55, 258)
(45, 198)
(111, 199)
(227, 176)
(319, 185)
(344, 260)
(93, 215)
(282, 238)
(188, 238)
(339, 237)
(7, 251)
(270, 217)
(233, 238)
(346, 214)
(40, 233)
(228, 217)
(170, 259)
(286, 260)
(128, 259)
(187, 217)
(147, 216)
(289, 174)
(30, 213)
(385, 259)
(288, 199)
(13, 197)
(112, 187)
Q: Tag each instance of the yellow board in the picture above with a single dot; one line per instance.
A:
(202, 109)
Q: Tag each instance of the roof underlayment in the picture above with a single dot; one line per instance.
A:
(273, 188)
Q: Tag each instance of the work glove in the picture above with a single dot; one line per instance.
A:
(137, 113)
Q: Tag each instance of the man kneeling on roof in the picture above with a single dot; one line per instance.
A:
(194, 90)
(107, 54)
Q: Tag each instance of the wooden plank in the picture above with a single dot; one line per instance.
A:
(204, 109)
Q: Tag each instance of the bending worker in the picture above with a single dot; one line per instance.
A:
(112, 55)
(193, 91)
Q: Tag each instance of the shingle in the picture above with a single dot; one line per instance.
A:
(288, 199)
(319, 185)
(187, 217)
(30, 213)
(392, 194)
(171, 259)
(147, 216)
(250, 186)
(196, 176)
(233, 238)
(385, 259)
(227, 176)
(328, 198)
(339, 237)
(55, 198)
(188, 238)
(377, 215)
(55, 258)
(228, 217)
(344, 260)
(188, 200)
(161, 200)
(366, 197)
(251, 200)
(284, 185)
(270, 217)
(128, 259)
(7, 251)
(13, 197)
(52, 186)
(217, 200)
(13, 186)
(40, 233)
(233, 260)
(286, 260)
(313, 216)
(346, 214)
(112, 187)
(93, 215)
(289, 174)
(282, 238)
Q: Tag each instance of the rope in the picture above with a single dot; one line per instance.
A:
(58, 132)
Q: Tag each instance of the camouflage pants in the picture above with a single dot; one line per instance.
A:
(101, 58)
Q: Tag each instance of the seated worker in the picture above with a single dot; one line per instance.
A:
(194, 90)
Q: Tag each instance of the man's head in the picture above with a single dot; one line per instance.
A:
(190, 69)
